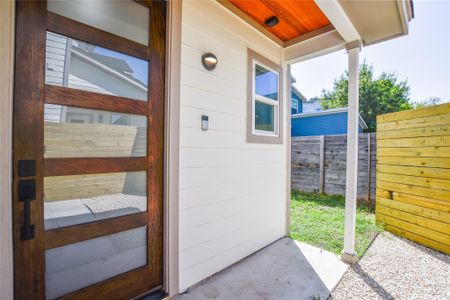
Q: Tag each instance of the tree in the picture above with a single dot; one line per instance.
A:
(376, 95)
(428, 102)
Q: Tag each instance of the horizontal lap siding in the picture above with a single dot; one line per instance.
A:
(328, 124)
(232, 193)
(413, 175)
(320, 125)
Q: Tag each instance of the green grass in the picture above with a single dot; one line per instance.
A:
(319, 220)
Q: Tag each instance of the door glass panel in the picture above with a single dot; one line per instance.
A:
(77, 199)
(80, 65)
(80, 132)
(124, 18)
(75, 266)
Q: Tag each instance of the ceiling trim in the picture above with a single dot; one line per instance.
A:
(309, 35)
(231, 7)
(320, 45)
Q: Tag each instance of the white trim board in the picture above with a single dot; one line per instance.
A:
(172, 148)
(7, 27)
(337, 16)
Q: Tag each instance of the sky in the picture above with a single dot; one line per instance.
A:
(422, 57)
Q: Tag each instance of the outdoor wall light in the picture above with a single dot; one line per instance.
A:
(209, 61)
(272, 21)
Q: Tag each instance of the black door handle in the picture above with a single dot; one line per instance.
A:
(27, 193)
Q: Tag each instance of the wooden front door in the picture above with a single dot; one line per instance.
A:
(88, 149)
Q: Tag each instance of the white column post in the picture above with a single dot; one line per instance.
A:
(348, 254)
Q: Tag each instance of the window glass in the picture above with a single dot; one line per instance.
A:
(78, 265)
(294, 107)
(77, 199)
(264, 117)
(119, 119)
(81, 132)
(266, 82)
(80, 65)
(125, 18)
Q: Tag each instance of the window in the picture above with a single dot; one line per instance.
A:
(294, 107)
(264, 123)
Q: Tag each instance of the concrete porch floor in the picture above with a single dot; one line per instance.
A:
(286, 269)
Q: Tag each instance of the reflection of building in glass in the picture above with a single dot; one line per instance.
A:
(266, 93)
(80, 132)
(75, 64)
(92, 68)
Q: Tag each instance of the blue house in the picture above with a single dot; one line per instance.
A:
(297, 99)
(323, 122)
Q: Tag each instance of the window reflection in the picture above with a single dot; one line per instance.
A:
(75, 266)
(124, 18)
(80, 65)
(266, 82)
(77, 199)
(264, 117)
(81, 132)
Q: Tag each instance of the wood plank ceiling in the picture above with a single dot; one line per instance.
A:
(296, 17)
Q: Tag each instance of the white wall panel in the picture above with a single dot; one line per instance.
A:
(232, 193)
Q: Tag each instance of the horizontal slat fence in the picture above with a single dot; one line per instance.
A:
(319, 165)
(413, 175)
(91, 140)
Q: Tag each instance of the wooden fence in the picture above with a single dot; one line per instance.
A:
(92, 140)
(319, 165)
(413, 175)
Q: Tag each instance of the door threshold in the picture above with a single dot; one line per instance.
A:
(154, 294)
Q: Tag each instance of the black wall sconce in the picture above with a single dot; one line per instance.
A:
(272, 21)
(209, 61)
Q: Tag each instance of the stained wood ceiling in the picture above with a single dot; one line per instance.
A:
(296, 17)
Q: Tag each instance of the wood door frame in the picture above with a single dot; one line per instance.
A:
(29, 96)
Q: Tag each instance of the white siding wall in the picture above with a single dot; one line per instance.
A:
(232, 194)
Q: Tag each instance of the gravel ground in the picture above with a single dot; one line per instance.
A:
(395, 268)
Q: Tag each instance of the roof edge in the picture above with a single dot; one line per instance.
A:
(362, 123)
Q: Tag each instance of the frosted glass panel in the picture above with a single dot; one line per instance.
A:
(83, 66)
(125, 18)
(77, 199)
(80, 132)
(75, 266)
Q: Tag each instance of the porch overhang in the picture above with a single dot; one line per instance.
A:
(323, 26)
(311, 28)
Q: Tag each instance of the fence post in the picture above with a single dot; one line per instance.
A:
(369, 165)
(322, 165)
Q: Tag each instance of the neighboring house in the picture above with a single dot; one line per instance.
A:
(312, 105)
(297, 99)
(78, 65)
(210, 185)
(309, 119)
(323, 122)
